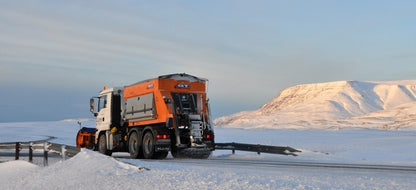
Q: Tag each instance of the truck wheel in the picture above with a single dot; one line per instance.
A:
(175, 153)
(148, 145)
(191, 153)
(160, 155)
(134, 146)
(102, 145)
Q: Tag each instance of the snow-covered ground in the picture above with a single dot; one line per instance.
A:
(90, 170)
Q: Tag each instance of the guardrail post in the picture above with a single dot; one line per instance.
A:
(45, 154)
(258, 149)
(17, 151)
(63, 150)
(233, 150)
(31, 152)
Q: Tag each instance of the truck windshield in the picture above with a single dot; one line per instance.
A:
(185, 103)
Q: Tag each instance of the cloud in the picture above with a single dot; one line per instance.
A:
(50, 45)
(248, 52)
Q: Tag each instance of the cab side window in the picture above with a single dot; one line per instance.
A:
(102, 103)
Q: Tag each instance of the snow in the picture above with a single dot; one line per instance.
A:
(90, 170)
(347, 145)
(15, 170)
(342, 104)
(86, 170)
(62, 131)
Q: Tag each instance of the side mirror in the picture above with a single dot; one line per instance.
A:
(92, 105)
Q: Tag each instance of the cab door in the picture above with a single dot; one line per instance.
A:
(103, 119)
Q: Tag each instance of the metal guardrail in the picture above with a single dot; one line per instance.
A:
(70, 151)
(257, 148)
(63, 150)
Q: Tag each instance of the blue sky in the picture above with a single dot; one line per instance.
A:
(55, 55)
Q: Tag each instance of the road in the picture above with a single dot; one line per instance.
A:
(278, 164)
(243, 163)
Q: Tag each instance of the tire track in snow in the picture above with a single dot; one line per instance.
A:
(298, 164)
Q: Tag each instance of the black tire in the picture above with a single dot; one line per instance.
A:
(204, 155)
(191, 153)
(160, 155)
(134, 146)
(148, 147)
(175, 152)
(102, 145)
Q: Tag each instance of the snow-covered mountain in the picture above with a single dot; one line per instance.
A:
(386, 105)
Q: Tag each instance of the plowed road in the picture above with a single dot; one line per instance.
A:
(274, 164)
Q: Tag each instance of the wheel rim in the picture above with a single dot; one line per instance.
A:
(102, 144)
(148, 144)
(133, 144)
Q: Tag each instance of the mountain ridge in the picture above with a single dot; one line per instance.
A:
(336, 104)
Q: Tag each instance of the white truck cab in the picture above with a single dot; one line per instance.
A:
(104, 115)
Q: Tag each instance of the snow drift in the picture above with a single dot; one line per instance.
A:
(384, 105)
(86, 170)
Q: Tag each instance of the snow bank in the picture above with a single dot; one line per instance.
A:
(15, 170)
(334, 105)
(87, 170)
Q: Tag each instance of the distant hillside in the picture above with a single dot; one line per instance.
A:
(386, 105)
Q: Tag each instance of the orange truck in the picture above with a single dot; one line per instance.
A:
(150, 118)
